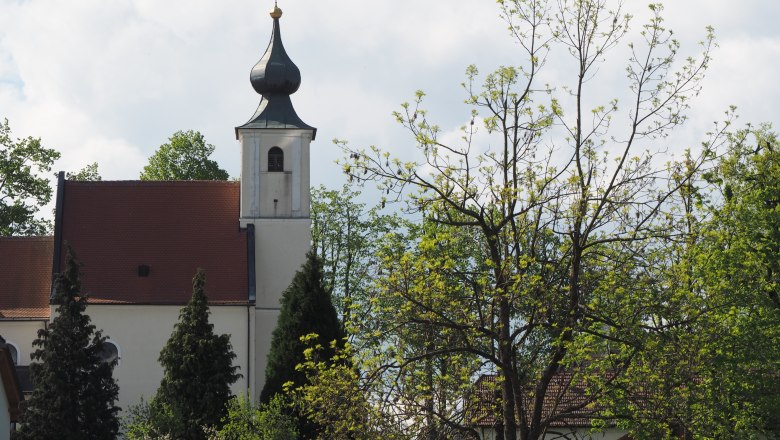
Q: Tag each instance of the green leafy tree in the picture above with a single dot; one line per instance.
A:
(74, 391)
(346, 236)
(89, 173)
(22, 191)
(736, 264)
(245, 421)
(138, 423)
(335, 399)
(711, 371)
(198, 371)
(306, 309)
(559, 211)
(184, 157)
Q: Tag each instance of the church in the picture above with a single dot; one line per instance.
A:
(141, 242)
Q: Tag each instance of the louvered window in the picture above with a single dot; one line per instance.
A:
(275, 159)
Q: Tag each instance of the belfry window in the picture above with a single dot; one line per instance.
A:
(275, 159)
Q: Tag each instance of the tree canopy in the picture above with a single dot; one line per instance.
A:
(549, 247)
(184, 157)
(74, 391)
(89, 173)
(22, 189)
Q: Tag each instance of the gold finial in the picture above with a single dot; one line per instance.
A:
(276, 12)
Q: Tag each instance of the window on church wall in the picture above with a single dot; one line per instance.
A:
(109, 352)
(275, 159)
(14, 353)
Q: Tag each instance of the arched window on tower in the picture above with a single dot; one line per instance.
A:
(275, 159)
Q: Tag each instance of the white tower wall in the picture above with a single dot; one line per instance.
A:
(277, 203)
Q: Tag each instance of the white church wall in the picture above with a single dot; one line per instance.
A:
(280, 250)
(21, 335)
(141, 331)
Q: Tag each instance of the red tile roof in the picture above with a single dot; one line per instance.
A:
(25, 276)
(172, 227)
(566, 403)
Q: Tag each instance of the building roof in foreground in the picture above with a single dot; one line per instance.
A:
(25, 277)
(141, 242)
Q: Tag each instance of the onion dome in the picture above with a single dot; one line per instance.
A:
(275, 72)
(275, 77)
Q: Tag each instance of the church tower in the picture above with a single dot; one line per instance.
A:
(275, 195)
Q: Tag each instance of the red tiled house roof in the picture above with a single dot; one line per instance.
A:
(566, 403)
(25, 276)
(174, 228)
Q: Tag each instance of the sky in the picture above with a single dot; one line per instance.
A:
(109, 81)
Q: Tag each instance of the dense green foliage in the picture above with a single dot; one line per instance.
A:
(89, 173)
(245, 421)
(184, 157)
(736, 264)
(334, 397)
(22, 189)
(74, 391)
(347, 237)
(198, 371)
(553, 247)
(306, 309)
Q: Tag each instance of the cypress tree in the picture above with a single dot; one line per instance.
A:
(198, 371)
(306, 308)
(74, 391)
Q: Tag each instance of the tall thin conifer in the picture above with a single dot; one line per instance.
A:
(198, 368)
(74, 391)
(306, 308)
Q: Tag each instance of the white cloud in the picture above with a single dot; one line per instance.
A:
(110, 81)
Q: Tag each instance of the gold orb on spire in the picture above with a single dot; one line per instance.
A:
(276, 12)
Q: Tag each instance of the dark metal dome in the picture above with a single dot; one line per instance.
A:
(275, 72)
(276, 77)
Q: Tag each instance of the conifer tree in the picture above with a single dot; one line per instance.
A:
(306, 308)
(198, 371)
(74, 391)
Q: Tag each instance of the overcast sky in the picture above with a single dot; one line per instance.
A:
(111, 80)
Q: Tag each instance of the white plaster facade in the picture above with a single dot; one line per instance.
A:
(273, 194)
(141, 331)
(21, 334)
(277, 204)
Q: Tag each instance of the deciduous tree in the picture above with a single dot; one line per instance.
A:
(184, 157)
(564, 211)
(347, 236)
(22, 189)
(245, 421)
(89, 173)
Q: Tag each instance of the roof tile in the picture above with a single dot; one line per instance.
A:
(173, 227)
(25, 276)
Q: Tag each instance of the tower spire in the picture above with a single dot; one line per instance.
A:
(275, 77)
